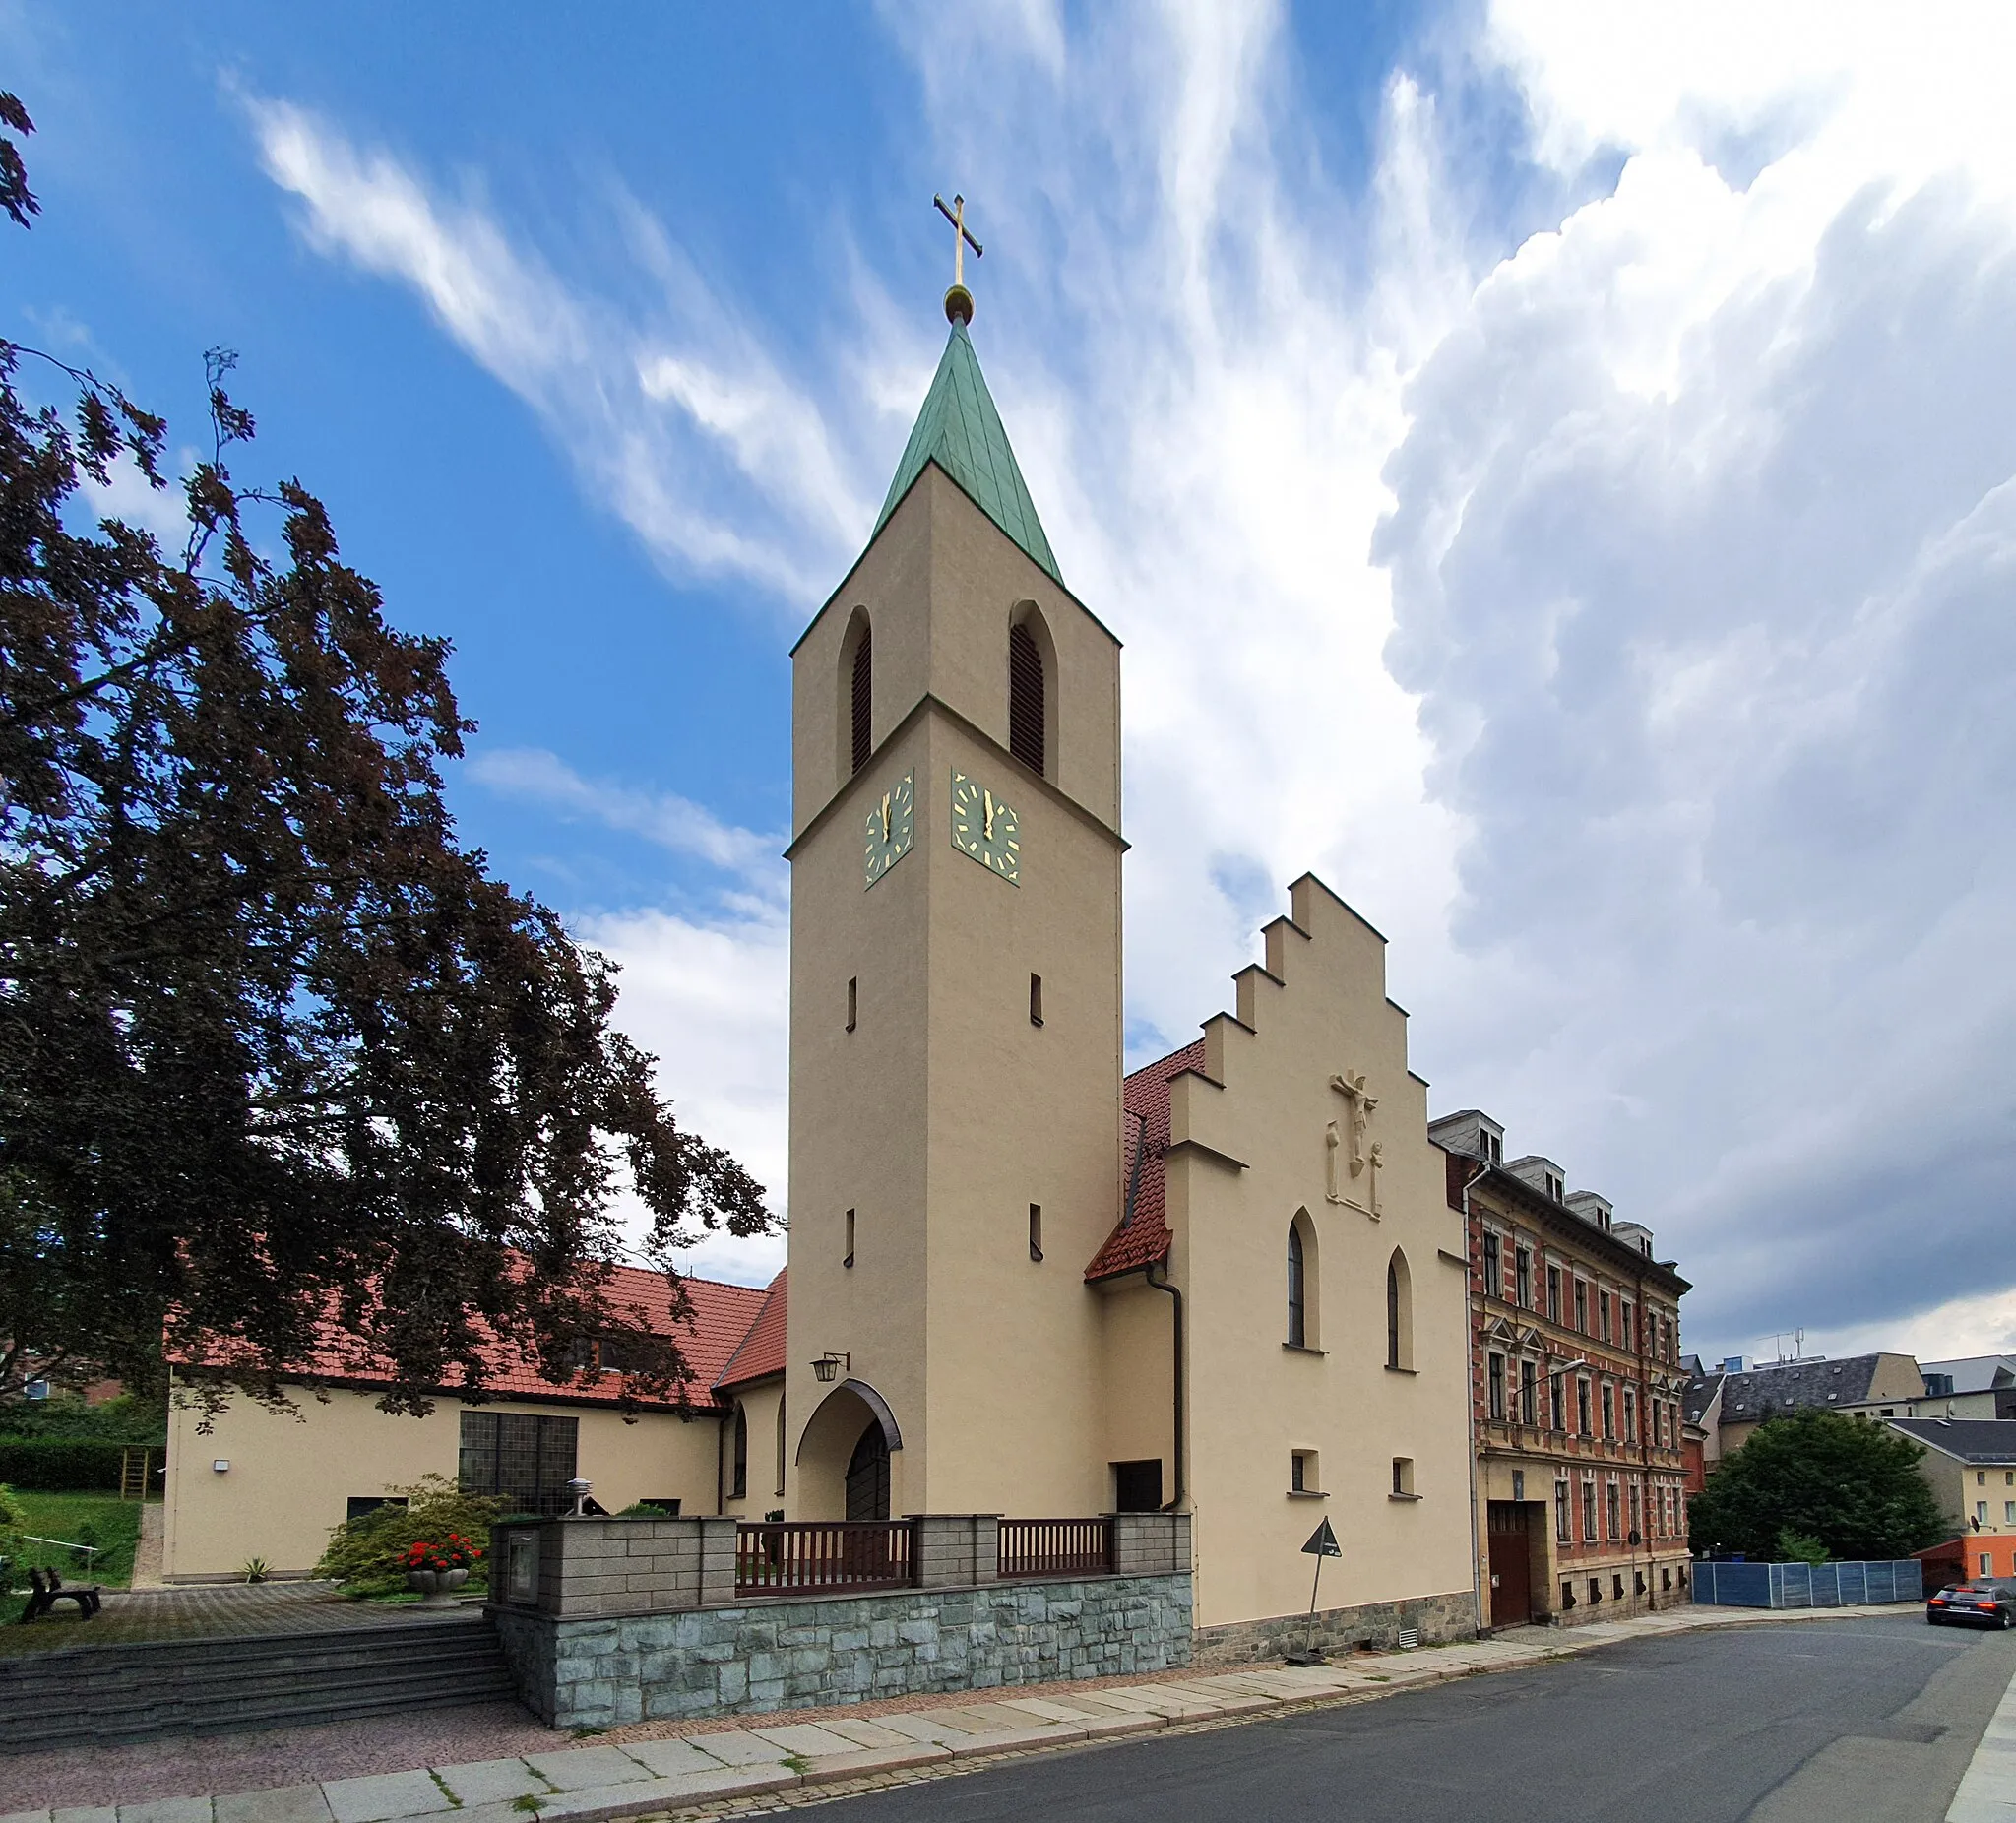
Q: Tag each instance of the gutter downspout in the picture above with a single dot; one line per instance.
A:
(1162, 1284)
(1477, 1575)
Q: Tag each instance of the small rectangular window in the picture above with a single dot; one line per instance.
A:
(1987, 1564)
(850, 1259)
(1035, 1232)
(1302, 1477)
(1137, 1486)
(1035, 1000)
(853, 1001)
(1402, 1477)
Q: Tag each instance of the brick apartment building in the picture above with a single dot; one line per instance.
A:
(1576, 1388)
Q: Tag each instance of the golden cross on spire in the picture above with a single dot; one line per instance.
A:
(958, 300)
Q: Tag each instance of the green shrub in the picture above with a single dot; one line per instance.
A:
(60, 1465)
(368, 1555)
(125, 1419)
(1800, 1547)
(13, 1546)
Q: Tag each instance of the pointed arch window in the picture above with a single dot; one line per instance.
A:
(862, 695)
(738, 1484)
(1028, 698)
(1399, 1313)
(1298, 1326)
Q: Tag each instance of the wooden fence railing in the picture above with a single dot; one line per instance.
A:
(776, 1559)
(1056, 1547)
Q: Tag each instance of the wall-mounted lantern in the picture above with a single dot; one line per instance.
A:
(829, 1364)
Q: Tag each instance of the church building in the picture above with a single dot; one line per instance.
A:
(1231, 1284)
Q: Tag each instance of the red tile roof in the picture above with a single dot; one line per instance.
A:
(718, 1320)
(1143, 1236)
(760, 1352)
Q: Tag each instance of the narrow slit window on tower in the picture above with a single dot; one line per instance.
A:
(1028, 719)
(864, 696)
(1035, 1232)
(853, 1001)
(1035, 1000)
(849, 1260)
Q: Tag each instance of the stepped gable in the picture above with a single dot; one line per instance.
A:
(1142, 1237)
(1145, 1238)
(717, 1318)
(761, 1352)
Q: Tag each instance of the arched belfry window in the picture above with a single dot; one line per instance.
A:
(1029, 725)
(1399, 1312)
(862, 695)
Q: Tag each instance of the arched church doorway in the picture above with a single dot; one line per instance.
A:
(867, 1477)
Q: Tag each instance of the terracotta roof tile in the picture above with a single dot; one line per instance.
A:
(1143, 1235)
(760, 1352)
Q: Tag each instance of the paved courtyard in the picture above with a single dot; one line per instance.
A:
(207, 1610)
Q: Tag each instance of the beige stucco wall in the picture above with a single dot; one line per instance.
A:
(945, 1113)
(292, 1475)
(769, 1453)
(1319, 1008)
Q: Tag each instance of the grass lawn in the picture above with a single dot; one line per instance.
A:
(103, 1520)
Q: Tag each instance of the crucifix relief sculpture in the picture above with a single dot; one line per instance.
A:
(1350, 1138)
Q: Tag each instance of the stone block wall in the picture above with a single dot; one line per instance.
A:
(600, 1671)
(610, 1566)
(1439, 1618)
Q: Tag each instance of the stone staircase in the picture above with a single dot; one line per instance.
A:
(95, 1694)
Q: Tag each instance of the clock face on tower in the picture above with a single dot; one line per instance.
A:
(985, 827)
(891, 829)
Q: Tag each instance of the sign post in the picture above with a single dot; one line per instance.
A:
(1322, 1543)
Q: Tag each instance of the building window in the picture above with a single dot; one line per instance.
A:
(1399, 1312)
(862, 695)
(1567, 1596)
(1529, 1390)
(1554, 1185)
(1297, 1283)
(1657, 1429)
(1589, 1511)
(849, 1259)
(1617, 1586)
(1553, 1293)
(521, 1458)
(1987, 1564)
(1637, 1521)
(1603, 1316)
(2009, 1512)
(1612, 1518)
(1402, 1477)
(1035, 1232)
(1028, 707)
(739, 1479)
(1495, 1373)
(1522, 1277)
(1627, 1318)
(1301, 1472)
(1137, 1486)
(1609, 1413)
(1630, 1415)
(1581, 1307)
(1561, 1512)
(1557, 1421)
(853, 1001)
(1493, 1286)
(1981, 1478)
(1035, 1000)
(1980, 1512)
(1595, 1592)
(1582, 1407)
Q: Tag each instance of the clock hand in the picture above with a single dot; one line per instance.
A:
(885, 816)
(988, 829)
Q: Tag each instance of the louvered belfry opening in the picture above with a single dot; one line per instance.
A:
(1027, 727)
(864, 696)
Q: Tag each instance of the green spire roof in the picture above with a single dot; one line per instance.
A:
(961, 431)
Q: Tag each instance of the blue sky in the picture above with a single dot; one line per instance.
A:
(1549, 464)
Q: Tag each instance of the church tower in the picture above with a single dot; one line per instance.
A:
(956, 1008)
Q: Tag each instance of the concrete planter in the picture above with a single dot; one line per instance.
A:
(437, 1587)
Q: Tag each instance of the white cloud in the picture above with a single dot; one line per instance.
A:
(532, 774)
(681, 424)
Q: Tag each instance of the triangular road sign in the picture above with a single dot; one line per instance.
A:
(1323, 1543)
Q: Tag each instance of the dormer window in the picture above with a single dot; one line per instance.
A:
(1495, 1149)
(1554, 1185)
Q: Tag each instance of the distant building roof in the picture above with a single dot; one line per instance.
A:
(1142, 1236)
(760, 1354)
(1976, 1374)
(1971, 1439)
(1700, 1394)
(1793, 1386)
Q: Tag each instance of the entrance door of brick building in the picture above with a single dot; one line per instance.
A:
(1511, 1591)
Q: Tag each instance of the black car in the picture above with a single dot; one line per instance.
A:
(1972, 1604)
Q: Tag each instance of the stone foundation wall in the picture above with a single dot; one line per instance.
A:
(602, 1671)
(1439, 1618)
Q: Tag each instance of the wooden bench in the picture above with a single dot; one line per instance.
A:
(50, 1590)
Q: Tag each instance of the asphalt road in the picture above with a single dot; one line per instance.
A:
(1836, 1722)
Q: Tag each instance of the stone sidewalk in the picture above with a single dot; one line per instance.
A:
(631, 1776)
(1988, 1788)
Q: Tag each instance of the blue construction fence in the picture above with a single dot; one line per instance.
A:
(1807, 1585)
